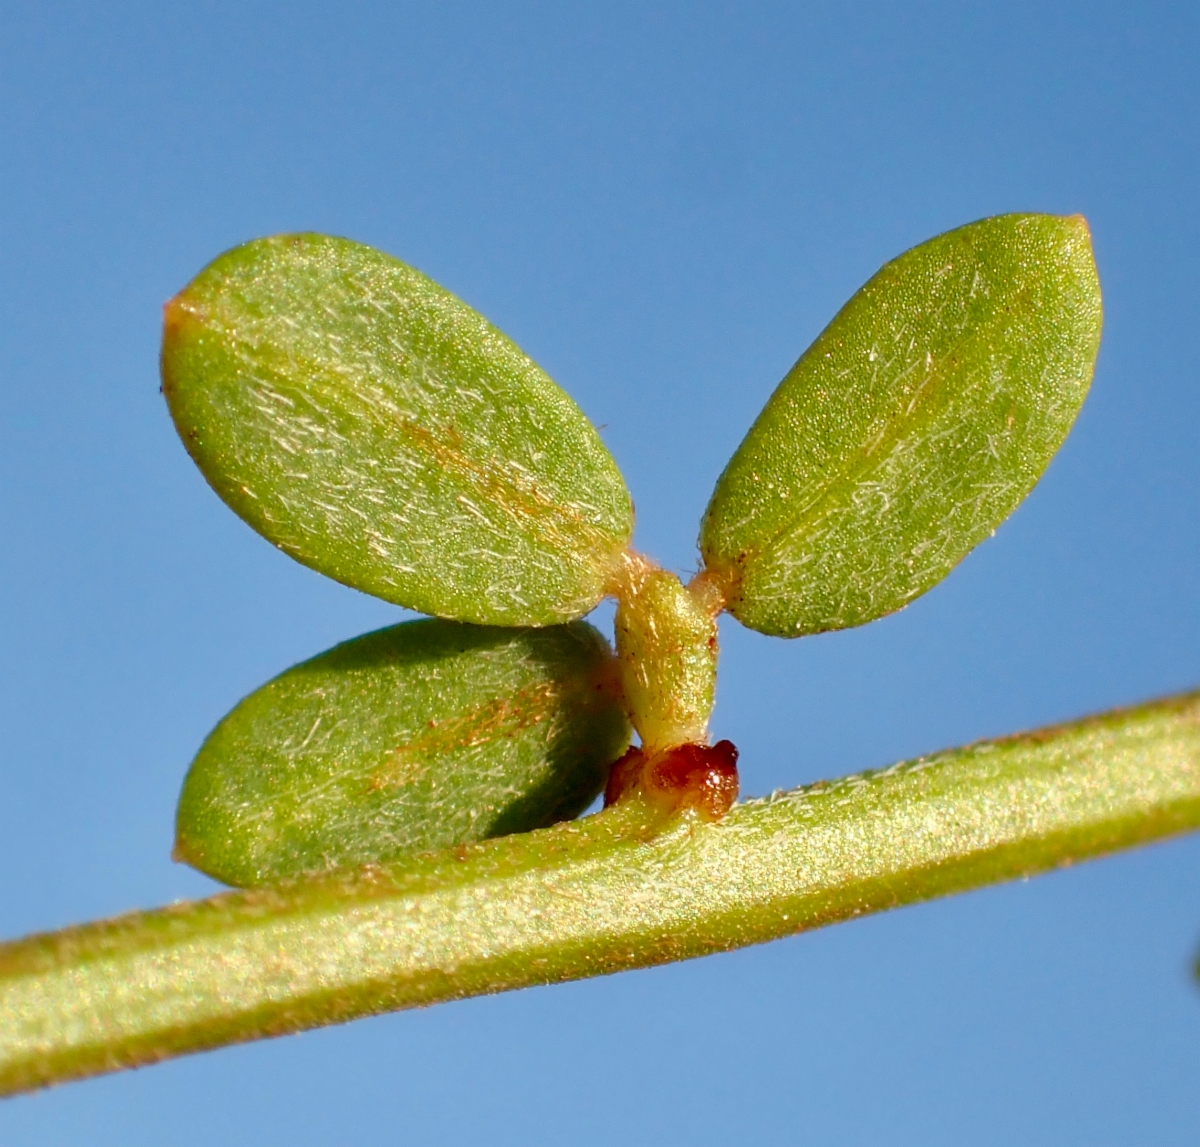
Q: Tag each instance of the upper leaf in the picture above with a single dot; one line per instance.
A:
(425, 735)
(910, 429)
(378, 429)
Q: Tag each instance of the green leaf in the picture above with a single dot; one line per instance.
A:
(425, 735)
(376, 428)
(910, 429)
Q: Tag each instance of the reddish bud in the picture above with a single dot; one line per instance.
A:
(700, 777)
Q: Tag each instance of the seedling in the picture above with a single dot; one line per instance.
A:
(400, 807)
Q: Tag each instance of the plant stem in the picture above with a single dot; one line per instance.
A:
(626, 888)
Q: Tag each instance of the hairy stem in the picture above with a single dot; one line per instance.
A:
(627, 888)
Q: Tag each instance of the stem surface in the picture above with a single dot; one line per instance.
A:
(627, 888)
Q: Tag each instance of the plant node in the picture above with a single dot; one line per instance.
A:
(703, 778)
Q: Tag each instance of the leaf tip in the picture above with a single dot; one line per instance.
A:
(178, 314)
(179, 852)
(182, 318)
(1078, 237)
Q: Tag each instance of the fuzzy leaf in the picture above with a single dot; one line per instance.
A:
(910, 429)
(376, 428)
(425, 735)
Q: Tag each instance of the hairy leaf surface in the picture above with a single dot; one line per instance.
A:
(425, 735)
(376, 428)
(914, 425)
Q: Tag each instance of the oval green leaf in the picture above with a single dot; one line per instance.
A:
(376, 428)
(914, 425)
(425, 735)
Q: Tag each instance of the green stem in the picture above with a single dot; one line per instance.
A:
(614, 891)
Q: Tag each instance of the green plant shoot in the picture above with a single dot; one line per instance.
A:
(377, 429)
(667, 647)
(625, 889)
(333, 395)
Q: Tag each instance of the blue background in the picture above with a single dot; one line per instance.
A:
(663, 204)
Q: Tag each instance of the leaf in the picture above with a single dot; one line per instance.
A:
(425, 735)
(377, 429)
(914, 425)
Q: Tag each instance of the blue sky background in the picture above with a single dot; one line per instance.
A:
(663, 204)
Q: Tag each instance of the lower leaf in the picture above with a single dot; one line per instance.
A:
(425, 735)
